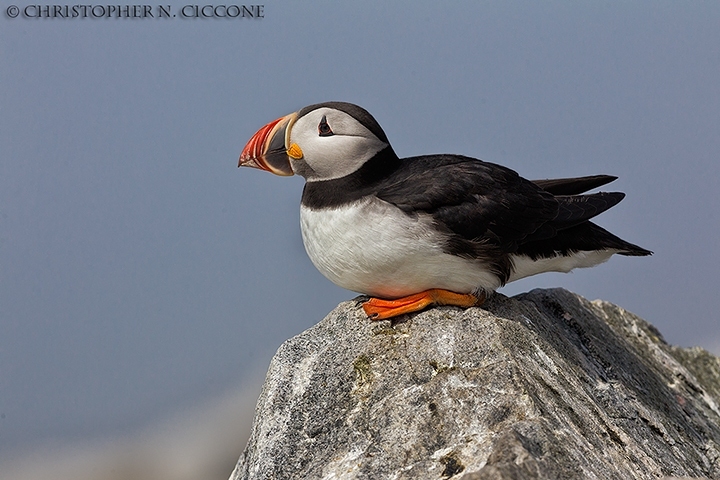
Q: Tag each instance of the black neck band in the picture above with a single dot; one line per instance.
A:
(364, 181)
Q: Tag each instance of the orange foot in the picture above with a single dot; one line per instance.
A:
(379, 309)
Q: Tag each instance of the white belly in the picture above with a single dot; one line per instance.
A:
(524, 266)
(372, 248)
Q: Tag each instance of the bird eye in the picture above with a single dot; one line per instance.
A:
(324, 129)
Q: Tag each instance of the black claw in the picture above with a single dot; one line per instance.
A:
(359, 300)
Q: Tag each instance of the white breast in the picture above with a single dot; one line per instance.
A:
(373, 248)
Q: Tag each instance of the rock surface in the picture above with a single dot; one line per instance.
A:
(543, 385)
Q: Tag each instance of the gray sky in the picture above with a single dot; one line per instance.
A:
(141, 271)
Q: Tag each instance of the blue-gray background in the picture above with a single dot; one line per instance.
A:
(141, 271)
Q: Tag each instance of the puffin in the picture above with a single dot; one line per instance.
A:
(409, 233)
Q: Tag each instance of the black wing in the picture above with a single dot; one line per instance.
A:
(489, 211)
(477, 201)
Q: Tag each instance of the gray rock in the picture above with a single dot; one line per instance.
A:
(544, 385)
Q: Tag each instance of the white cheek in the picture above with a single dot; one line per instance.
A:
(339, 155)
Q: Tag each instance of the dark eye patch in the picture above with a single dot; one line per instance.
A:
(324, 129)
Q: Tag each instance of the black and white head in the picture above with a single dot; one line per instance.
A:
(320, 142)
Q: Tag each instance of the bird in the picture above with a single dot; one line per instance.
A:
(442, 229)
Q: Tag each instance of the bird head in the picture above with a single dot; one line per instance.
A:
(320, 142)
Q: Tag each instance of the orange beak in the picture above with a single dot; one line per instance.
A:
(268, 148)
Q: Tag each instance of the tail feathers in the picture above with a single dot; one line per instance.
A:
(571, 231)
(573, 186)
(574, 209)
(584, 237)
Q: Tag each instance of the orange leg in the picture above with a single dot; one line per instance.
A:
(379, 309)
